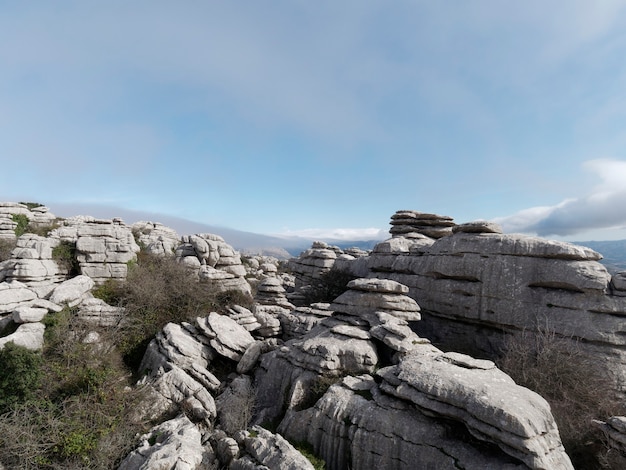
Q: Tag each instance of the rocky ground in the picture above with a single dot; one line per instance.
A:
(398, 371)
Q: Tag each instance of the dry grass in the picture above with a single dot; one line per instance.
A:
(577, 388)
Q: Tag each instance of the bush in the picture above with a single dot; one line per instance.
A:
(575, 386)
(6, 247)
(80, 416)
(159, 290)
(65, 256)
(20, 375)
(328, 286)
(22, 224)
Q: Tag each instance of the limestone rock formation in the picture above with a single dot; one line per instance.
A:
(270, 291)
(312, 263)
(214, 260)
(37, 216)
(103, 247)
(432, 225)
(175, 444)
(156, 238)
(265, 449)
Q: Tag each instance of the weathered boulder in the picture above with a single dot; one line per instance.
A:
(226, 336)
(103, 247)
(214, 260)
(72, 291)
(28, 335)
(265, 449)
(485, 399)
(156, 238)
(313, 263)
(356, 425)
(98, 313)
(175, 444)
(14, 294)
(300, 321)
(270, 291)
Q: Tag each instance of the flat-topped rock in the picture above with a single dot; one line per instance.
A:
(478, 226)
(485, 399)
(384, 286)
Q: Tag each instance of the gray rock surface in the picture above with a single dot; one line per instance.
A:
(215, 261)
(272, 451)
(28, 335)
(174, 444)
(156, 238)
(103, 247)
(478, 286)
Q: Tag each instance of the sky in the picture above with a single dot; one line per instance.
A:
(298, 117)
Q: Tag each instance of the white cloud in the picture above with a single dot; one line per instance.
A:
(604, 207)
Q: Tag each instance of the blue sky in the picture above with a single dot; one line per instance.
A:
(307, 117)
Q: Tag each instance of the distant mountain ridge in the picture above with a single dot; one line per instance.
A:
(246, 242)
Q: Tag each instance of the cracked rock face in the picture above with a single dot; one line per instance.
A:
(215, 261)
(103, 247)
(477, 286)
(156, 238)
(176, 443)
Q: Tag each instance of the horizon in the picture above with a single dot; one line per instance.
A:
(319, 119)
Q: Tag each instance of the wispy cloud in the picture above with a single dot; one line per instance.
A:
(603, 207)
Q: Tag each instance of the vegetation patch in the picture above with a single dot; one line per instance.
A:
(307, 450)
(22, 224)
(558, 369)
(65, 256)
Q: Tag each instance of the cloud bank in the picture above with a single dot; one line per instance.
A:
(604, 207)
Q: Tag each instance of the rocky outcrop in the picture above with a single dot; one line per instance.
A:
(215, 261)
(37, 216)
(312, 263)
(103, 247)
(156, 238)
(477, 286)
(412, 222)
(270, 291)
(32, 263)
(175, 444)
(265, 449)
(358, 425)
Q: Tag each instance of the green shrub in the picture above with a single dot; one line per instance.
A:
(159, 290)
(31, 205)
(65, 256)
(306, 449)
(20, 375)
(22, 224)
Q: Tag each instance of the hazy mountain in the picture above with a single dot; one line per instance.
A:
(247, 242)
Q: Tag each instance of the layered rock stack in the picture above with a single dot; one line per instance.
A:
(406, 223)
(313, 263)
(103, 246)
(214, 260)
(32, 264)
(270, 291)
(156, 238)
(369, 329)
(38, 216)
(478, 286)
